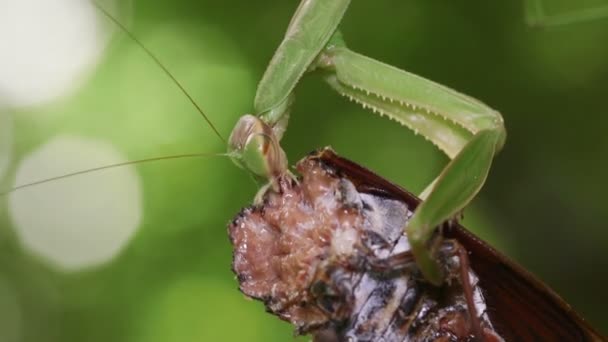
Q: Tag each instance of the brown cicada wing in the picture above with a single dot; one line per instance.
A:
(520, 306)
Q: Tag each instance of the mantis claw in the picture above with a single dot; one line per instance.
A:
(466, 130)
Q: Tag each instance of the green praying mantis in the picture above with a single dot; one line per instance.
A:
(336, 62)
(467, 131)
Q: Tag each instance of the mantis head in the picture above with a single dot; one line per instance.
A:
(254, 146)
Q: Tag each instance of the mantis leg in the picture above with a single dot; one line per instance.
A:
(311, 27)
(465, 129)
(468, 131)
(455, 187)
(254, 141)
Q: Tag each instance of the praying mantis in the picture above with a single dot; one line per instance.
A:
(255, 165)
(469, 132)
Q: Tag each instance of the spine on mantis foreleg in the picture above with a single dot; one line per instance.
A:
(468, 131)
(445, 117)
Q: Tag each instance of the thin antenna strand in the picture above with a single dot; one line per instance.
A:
(100, 168)
(161, 66)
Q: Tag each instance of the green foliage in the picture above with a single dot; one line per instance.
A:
(543, 204)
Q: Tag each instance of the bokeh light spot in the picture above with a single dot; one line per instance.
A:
(46, 46)
(79, 221)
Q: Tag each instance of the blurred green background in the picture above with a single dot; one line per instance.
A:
(141, 254)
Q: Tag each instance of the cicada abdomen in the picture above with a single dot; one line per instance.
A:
(330, 257)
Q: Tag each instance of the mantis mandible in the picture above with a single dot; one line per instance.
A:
(467, 131)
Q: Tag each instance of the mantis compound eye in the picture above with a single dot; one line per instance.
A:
(254, 147)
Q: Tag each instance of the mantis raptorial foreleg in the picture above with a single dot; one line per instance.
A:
(469, 132)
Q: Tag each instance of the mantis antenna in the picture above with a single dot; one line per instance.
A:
(161, 66)
(138, 161)
(111, 166)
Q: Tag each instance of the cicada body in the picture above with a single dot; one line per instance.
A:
(327, 253)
